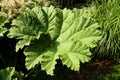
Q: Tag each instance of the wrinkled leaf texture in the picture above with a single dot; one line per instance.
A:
(52, 34)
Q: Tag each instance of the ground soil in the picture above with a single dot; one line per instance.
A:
(92, 70)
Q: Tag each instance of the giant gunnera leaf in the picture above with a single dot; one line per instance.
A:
(52, 34)
(6, 74)
(34, 22)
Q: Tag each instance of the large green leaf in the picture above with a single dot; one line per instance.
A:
(6, 74)
(78, 34)
(52, 34)
(32, 23)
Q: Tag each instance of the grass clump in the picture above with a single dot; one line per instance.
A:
(107, 15)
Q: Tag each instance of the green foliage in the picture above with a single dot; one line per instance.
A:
(2, 30)
(3, 21)
(107, 15)
(115, 75)
(31, 24)
(45, 36)
(6, 74)
(51, 34)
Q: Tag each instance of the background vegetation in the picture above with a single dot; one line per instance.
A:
(35, 43)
